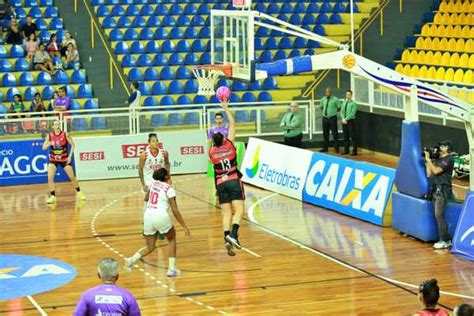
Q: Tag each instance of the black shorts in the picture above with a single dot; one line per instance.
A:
(59, 164)
(230, 191)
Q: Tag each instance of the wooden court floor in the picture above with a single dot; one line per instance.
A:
(300, 259)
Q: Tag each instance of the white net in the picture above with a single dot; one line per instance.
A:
(207, 79)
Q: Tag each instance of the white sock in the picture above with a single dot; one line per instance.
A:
(172, 263)
(144, 206)
(136, 257)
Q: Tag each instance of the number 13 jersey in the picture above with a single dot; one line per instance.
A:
(224, 159)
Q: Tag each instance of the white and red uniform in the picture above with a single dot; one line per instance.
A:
(153, 162)
(156, 217)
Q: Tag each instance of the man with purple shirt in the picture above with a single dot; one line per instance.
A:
(62, 102)
(107, 299)
(220, 127)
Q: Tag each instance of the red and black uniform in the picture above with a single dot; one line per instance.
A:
(227, 175)
(58, 153)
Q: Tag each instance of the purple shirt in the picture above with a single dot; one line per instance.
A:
(65, 102)
(107, 300)
(224, 130)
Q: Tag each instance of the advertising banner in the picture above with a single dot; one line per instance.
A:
(24, 162)
(463, 240)
(113, 157)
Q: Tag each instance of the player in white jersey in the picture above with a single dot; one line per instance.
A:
(161, 196)
(153, 158)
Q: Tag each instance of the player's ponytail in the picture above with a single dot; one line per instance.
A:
(160, 174)
(218, 139)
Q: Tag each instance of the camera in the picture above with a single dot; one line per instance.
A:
(433, 151)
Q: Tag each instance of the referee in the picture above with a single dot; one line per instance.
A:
(329, 106)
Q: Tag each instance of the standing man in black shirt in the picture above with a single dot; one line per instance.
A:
(29, 28)
(440, 172)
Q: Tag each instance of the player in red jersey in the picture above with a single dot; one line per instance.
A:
(58, 141)
(230, 189)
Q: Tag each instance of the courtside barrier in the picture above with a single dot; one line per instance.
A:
(24, 162)
(357, 189)
(113, 157)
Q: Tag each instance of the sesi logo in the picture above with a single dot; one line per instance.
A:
(135, 150)
(192, 150)
(93, 155)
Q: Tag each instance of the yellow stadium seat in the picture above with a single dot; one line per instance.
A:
(468, 77)
(469, 19)
(428, 43)
(463, 60)
(462, 95)
(454, 60)
(406, 69)
(443, 43)
(470, 98)
(437, 58)
(469, 46)
(438, 30)
(471, 7)
(420, 57)
(458, 75)
(443, 7)
(429, 58)
(471, 34)
(471, 62)
(466, 31)
(423, 72)
(449, 75)
(405, 56)
(450, 19)
(414, 71)
(450, 7)
(457, 31)
(435, 44)
(420, 43)
(448, 31)
(440, 74)
(445, 59)
(413, 55)
(431, 73)
(465, 7)
(452, 45)
(399, 68)
(460, 45)
(426, 30)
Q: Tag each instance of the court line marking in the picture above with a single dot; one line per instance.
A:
(37, 306)
(159, 282)
(254, 221)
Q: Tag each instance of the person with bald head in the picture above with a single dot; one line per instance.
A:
(291, 124)
(330, 105)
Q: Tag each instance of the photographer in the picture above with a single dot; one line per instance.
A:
(439, 171)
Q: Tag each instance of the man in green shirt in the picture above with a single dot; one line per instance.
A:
(348, 116)
(291, 126)
(329, 106)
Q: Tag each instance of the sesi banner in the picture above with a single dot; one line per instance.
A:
(24, 162)
(112, 157)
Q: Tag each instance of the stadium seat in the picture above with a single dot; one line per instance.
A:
(205, 32)
(137, 48)
(47, 93)
(78, 76)
(152, 47)
(198, 20)
(17, 51)
(242, 116)
(295, 19)
(294, 53)
(5, 65)
(183, 20)
(29, 93)
(159, 88)
(124, 22)
(75, 105)
(144, 60)
(121, 48)
(51, 12)
(309, 19)
(191, 86)
(183, 72)
(150, 101)
(22, 64)
(264, 96)
(322, 19)
(191, 118)
(161, 33)
(61, 77)
(139, 21)
(191, 59)
(144, 88)
(79, 124)
(271, 43)
(174, 119)
(44, 79)
(8, 80)
(146, 34)
(269, 84)
(168, 47)
(151, 74)
(200, 99)
(109, 22)
(239, 86)
(248, 97)
(198, 46)
(205, 59)
(167, 73)
(335, 18)
(153, 21)
(204, 9)
(41, 24)
(168, 21)
(135, 74)
(266, 57)
(98, 123)
(56, 24)
(26, 79)
(158, 120)
(117, 10)
(166, 101)
(175, 87)
(285, 43)
(130, 35)
(11, 92)
(129, 61)
(183, 100)
(160, 60)
(176, 33)
(183, 46)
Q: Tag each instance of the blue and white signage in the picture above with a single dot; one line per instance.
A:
(463, 241)
(24, 162)
(22, 275)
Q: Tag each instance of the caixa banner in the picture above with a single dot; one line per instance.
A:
(24, 162)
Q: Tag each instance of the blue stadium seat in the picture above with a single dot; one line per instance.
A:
(314, 44)
(135, 74)
(117, 10)
(11, 92)
(175, 87)
(205, 32)
(223, 82)
(152, 47)
(183, 100)
(129, 61)
(79, 124)
(273, 8)
(204, 9)
(159, 88)
(339, 7)
(160, 60)
(150, 101)
(132, 10)
(121, 48)
(102, 10)
(174, 119)
(191, 59)
(162, 9)
(261, 7)
(239, 86)
(109, 22)
(17, 51)
(309, 52)
(168, 47)
(322, 19)
(22, 64)
(234, 98)
(266, 57)
(47, 93)
(116, 35)
(98, 123)
(144, 88)
(153, 21)
(44, 36)
(98, 2)
(124, 22)
(137, 48)
(147, 10)
(35, 13)
(8, 80)
(355, 8)
(191, 32)
(248, 97)
(139, 21)
(263, 32)
(283, 17)
(161, 33)
(144, 60)
(56, 24)
(46, 3)
(176, 33)
(168, 21)
(183, 46)
(264, 96)
(75, 105)
(41, 24)
(152, 74)
(255, 85)
(258, 43)
(312, 8)
(325, 7)
(271, 43)
(44, 79)
(205, 59)
(26, 79)
(198, 21)
(183, 72)
(335, 18)
(270, 84)
(183, 20)
(20, 13)
(85, 91)
(198, 46)
(78, 76)
(166, 101)
(253, 116)
(285, 43)
(191, 118)
(319, 29)
(294, 53)
(300, 43)
(200, 99)
(31, 3)
(242, 116)
(308, 19)
(61, 77)
(146, 34)
(286, 8)
(130, 35)
(158, 120)
(281, 54)
(295, 19)
(5, 65)
(29, 93)
(300, 7)
(191, 86)
(69, 91)
(51, 12)
(176, 9)
(190, 9)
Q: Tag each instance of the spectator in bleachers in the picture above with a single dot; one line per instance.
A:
(31, 46)
(42, 60)
(53, 101)
(62, 102)
(71, 60)
(17, 105)
(134, 99)
(13, 34)
(464, 310)
(330, 106)
(5, 10)
(38, 106)
(54, 46)
(107, 298)
(68, 39)
(17, 108)
(428, 295)
(29, 28)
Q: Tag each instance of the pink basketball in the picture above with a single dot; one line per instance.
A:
(223, 93)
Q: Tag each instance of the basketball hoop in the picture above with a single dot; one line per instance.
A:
(207, 76)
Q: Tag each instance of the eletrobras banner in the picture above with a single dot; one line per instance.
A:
(357, 189)
(112, 157)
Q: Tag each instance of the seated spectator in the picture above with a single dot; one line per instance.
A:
(428, 295)
(53, 101)
(107, 298)
(13, 34)
(464, 310)
(62, 102)
(42, 60)
(5, 10)
(54, 47)
(31, 46)
(29, 28)
(37, 106)
(17, 109)
(68, 39)
(71, 60)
